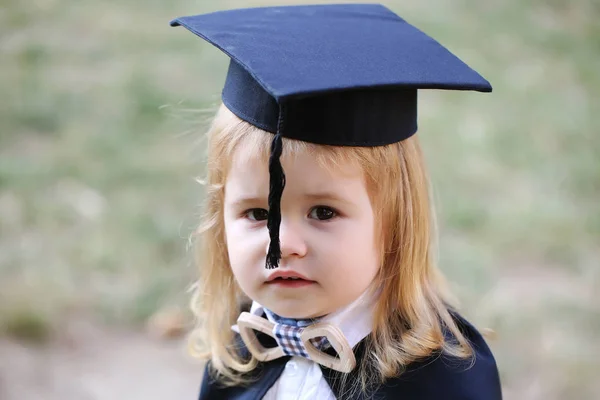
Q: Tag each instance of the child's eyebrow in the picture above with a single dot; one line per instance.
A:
(316, 197)
(324, 196)
(250, 200)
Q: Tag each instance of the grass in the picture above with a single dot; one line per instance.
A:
(103, 105)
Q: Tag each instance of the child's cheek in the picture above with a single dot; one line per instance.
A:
(246, 246)
(356, 258)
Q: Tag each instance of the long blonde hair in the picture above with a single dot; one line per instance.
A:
(412, 311)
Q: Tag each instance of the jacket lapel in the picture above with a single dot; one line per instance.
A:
(436, 377)
(263, 377)
(334, 378)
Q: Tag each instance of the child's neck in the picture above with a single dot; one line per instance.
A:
(299, 322)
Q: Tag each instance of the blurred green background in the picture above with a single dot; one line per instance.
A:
(102, 112)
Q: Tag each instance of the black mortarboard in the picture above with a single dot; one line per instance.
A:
(342, 74)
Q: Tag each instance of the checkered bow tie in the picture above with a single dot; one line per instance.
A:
(306, 339)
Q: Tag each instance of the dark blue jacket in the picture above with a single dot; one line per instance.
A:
(438, 377)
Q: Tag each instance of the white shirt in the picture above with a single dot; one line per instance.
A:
(302, 378)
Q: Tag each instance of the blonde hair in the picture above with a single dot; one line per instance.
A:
(411, 314)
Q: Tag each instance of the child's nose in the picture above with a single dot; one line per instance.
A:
(291, 241)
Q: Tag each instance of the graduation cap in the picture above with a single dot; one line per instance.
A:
(341, 74)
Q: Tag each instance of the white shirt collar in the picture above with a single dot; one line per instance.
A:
(355, 320)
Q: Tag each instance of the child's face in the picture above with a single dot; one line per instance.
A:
(327, 235)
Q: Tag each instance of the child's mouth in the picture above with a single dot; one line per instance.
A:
(290, 282)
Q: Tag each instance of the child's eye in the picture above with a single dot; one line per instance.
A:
(322, 213)
(257, 214)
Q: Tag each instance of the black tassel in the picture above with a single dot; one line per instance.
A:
(277, 183)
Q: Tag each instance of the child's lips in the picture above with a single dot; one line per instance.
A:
(290, 283)
(283, 274)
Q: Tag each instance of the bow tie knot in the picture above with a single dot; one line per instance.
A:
(297, 341)
(289, 338)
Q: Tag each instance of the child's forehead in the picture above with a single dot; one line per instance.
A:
(305, 175)
(332, 160)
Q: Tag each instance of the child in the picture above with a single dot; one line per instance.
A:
(318, 212)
